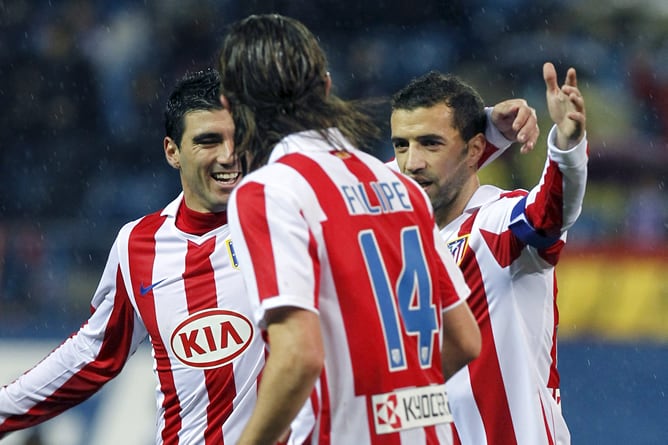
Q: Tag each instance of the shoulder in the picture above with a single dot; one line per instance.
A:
(487, 195)
(495, 203)
(145, 225)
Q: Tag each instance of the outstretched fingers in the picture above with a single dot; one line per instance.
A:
(565, 105)
(571, 77)
(574, 95)
(577, 110)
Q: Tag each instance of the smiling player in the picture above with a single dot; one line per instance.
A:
(171, 277)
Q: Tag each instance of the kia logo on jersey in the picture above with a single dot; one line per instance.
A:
(211, 338)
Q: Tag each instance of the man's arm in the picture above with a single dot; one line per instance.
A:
(461, 339)
(296, 359)
(554, 204)
(81, 365)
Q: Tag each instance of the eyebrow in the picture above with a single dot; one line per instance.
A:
(430, 137)
(421, 139)
(207, 138)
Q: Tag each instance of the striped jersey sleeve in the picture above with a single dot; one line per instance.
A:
(555, 203)
(81, 365)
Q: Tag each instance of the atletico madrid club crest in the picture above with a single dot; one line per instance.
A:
(458, 248)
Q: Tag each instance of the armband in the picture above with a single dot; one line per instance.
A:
(524, 231)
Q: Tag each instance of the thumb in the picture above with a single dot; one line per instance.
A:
(550, 77)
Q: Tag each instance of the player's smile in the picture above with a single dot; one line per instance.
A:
(226, 180)
(226, 177)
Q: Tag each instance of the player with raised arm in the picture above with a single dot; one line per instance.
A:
(507, 243)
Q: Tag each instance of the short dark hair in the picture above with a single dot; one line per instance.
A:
(434, 88)
(274, 74)
(193, 92)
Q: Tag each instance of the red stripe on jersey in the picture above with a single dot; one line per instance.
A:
(198, 278)
(432, 437)
(259, 239)
(107, 364)
(546, 422)
(456, 440)
(487, 385)
(505, 246)
(489, 151)
(324, 411)
(221, 388)
(141, 254)
(545, 214)
(554, 380)
(513, 194)
(313, 253)
(200, 288)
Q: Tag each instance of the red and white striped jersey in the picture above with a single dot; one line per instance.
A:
(507, 243)
(186, 294)
(336, 232)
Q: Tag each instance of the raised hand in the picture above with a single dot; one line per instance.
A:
(517, 121)
(566, 106)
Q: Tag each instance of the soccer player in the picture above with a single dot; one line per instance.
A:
(507, 244)
(172, 277)
(340, 254)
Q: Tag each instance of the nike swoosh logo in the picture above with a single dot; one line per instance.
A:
(144, 290)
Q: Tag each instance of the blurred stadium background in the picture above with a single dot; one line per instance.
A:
(82, 86)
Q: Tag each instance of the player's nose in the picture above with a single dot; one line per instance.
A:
(414, 159)
(225, 154)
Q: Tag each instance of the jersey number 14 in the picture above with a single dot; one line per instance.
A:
(405, 306)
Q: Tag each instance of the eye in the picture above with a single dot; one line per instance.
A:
(208, 140)
(400, 145)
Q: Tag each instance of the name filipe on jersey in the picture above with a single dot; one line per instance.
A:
(374, 198)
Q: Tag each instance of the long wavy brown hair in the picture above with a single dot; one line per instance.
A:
(274, 74)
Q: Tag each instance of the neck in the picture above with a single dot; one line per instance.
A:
(197, 223)
(452, 210)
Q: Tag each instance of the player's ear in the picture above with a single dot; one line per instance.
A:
(172, 152)
(225, 102)
(477, 145)
(328, 83)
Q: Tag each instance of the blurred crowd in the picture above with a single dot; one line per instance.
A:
(83, 84)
